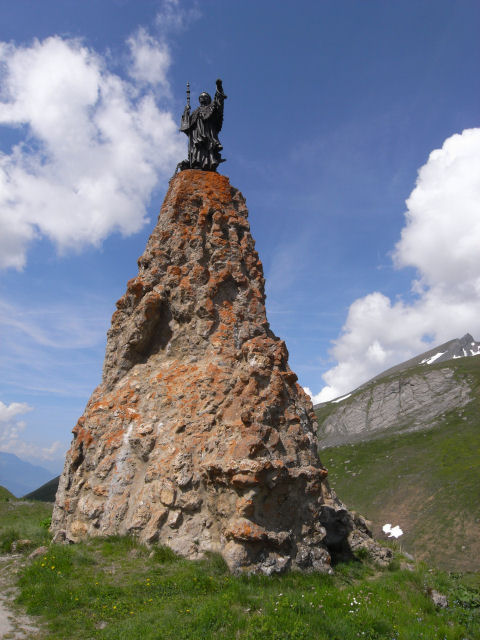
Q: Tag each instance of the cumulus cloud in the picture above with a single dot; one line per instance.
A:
(150, 59)
(10, 434)
(441, 240)
(8, 422)
(92, 145)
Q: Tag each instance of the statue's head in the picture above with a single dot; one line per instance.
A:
(204, 98)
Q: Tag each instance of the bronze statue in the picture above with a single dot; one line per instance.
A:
(202, 128)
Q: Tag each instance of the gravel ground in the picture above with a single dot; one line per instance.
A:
(14, 623)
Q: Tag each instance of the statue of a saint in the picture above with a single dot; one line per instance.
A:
(202, 128)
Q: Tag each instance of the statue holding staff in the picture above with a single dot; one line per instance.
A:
(202, 128)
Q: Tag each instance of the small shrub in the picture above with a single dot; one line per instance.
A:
(394, 564)
(362, 554)
(164, 555)
(7, 537)
(465, 597)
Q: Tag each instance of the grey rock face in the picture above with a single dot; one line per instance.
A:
(407, 403)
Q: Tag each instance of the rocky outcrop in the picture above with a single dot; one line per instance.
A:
(199, 436)
(465, 347)
(403, 403)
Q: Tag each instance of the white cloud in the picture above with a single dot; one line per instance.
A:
(441, 239)
(174, 17)
(150, 59)
(10, 438)
(8, 414)
(92, 146)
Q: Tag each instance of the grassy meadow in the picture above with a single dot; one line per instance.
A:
(23, 520)
(116, 588)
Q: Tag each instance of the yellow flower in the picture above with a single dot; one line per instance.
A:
(53, 567)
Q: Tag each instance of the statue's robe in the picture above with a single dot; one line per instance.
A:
(202, 127)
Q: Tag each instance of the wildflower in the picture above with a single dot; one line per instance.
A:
(393, 532)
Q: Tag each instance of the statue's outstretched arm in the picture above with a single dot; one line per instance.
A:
(220, 92)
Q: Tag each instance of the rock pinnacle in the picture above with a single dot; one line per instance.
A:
(199, 436)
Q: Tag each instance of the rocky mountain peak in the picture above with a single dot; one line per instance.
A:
(457, 348)
(199, 436)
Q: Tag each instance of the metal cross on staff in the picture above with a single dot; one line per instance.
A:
(190, 134)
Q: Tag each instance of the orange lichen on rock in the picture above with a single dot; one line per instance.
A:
(199, 436)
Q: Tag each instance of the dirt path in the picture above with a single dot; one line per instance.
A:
(14, 624)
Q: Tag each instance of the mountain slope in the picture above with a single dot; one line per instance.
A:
(409, 400)
(420, 467)
(45, 493)
(5, 495)
(19, 476)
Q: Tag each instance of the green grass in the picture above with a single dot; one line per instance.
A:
(117, 589)
(23, 520)
(5, 495)
(428, 482)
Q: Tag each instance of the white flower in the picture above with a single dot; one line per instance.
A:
(393, 532)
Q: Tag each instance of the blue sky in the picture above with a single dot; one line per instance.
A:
(338, 112)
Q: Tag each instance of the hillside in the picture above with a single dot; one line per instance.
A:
(410, 399)
(405, 449)
(45, 493)
(5, 495)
